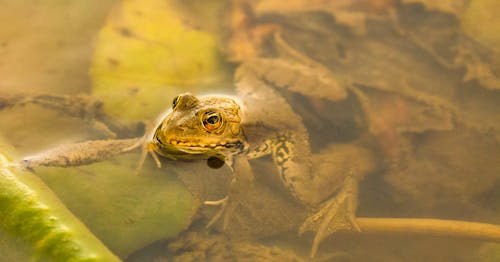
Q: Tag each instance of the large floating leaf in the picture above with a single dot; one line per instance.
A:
(36, 222)
(125, 210)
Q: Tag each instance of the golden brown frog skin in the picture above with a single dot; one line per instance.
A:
(215, 126)
(201, 127)
(326, 181)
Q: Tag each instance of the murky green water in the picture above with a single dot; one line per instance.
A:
(413, 85)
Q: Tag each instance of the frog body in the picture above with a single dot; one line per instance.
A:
(265, 125)
(262, 122)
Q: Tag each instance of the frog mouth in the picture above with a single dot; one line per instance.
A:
(179, 147)
(189, 144)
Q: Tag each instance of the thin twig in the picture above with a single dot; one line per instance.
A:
(431, 227)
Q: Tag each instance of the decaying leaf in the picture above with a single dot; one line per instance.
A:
(244, 35)
(455, 7)
(414, 71)
(441, 36)
(485, 69)
(480, 21)
(451, 168)
(248, 32)
(196, 246)
(353, 13)
(82, 107)
(391, 115)
(145, 55)
(296, 77)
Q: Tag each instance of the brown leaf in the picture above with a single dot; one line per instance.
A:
(455, 7)
(392, 115)
(349, 12)
(300, 78)
(448, 169)
(482, 69)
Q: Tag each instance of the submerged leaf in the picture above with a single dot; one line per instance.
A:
(480, 20)
(393, 114)
(41, 221)
(455, 7)
(297, 77)
(449, 170)
(125, 210)
(353, 13)
(145, 55)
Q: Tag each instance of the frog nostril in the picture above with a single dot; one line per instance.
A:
(184, 127)
(181, 129)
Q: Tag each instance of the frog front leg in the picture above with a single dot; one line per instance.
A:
(241, 182)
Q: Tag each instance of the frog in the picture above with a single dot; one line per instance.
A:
(259, 122)
(255, 123)
(234, 130)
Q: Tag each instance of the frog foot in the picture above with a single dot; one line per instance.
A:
(337, 213)
(149, 148)
(227, 207)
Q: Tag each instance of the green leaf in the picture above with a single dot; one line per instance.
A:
(36, 221)
(145, 55)
(125, 210)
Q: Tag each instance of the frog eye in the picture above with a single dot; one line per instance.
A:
(212, 120)
(175, 102)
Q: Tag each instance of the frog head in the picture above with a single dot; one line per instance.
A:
(200, 127)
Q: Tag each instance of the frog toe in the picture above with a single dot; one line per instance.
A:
(336, 214)
(227, 207)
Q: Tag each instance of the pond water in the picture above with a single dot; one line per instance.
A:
(353, 113)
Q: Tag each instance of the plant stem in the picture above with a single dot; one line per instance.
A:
(431, 227)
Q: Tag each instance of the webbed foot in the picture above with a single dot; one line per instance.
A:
(227, 207)
(149, 148)
(240, 184)
(337, 213)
